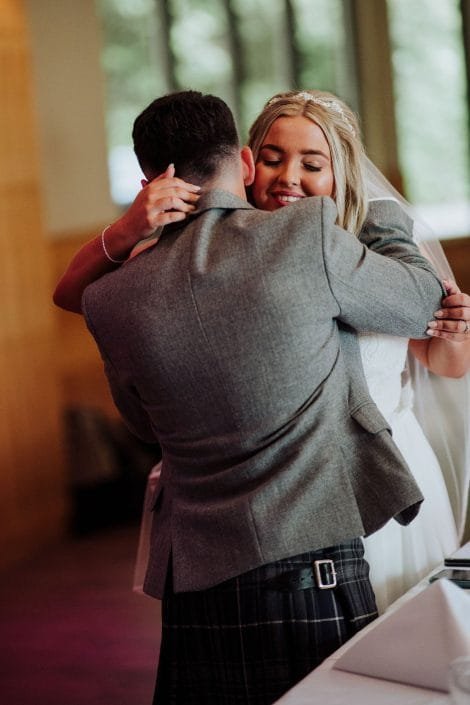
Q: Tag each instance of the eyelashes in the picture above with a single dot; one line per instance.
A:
(275, 163)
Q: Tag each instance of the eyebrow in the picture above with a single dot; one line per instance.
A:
(275, 148)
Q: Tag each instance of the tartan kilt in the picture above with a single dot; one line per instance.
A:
(243, 642)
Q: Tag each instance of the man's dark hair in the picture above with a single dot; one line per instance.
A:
(191, 130)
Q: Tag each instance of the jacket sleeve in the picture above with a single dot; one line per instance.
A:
(381, 283)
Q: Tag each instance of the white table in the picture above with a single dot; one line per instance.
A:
(329, 686)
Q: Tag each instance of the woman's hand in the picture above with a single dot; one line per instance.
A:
(445, 352)
(452, 321)
(166, 199)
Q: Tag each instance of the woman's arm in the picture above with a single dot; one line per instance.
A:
(447, 352)
(164, 200)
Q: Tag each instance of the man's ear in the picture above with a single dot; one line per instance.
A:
(248, 165)
(144, 183)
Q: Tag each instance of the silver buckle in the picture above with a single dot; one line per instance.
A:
(318, 576)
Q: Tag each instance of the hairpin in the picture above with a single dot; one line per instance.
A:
(324, 102)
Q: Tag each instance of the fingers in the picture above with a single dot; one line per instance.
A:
(458, 331)
(160, 198)
(180, 200)
(453, 316)
(162, 212)
(456, 300)
(454, 313)
(168, 197)
(451, 287)
(452, 321)
(185, 204)
(168, 173)
(167, 182)
(170, 170)
(172, 199)
(179, 193)
(171, 217)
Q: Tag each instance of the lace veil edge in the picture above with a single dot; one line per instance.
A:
(441, 404)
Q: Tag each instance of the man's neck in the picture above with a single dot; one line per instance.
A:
(227, 182)
(229, 177)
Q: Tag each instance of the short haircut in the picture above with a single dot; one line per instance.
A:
(191, 130)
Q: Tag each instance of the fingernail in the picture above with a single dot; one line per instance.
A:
(430, 331)
(432, 324)
(438, 314)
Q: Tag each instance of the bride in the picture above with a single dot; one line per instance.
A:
(398, 556)
(307, 143)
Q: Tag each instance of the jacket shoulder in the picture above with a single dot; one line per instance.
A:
(313, 211)
(387, 211)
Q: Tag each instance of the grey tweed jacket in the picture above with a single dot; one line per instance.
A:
(222, 342)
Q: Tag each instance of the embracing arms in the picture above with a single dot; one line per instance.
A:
(446, 350)
(382, 283)
(164, 200)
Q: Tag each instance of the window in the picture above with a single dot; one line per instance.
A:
(129, 58)
(432, 110)
(242, 50)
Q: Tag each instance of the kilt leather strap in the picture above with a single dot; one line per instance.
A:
(321, 574)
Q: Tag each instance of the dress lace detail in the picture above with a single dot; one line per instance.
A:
(384, 362)
(398, 555)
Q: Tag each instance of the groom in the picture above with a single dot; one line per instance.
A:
(222, 344)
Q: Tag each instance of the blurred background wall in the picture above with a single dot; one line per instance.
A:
(32, 496)
(73, 75)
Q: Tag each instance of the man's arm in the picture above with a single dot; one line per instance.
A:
(129, 405)
(447, 351)
(125, 396)
(394, 292)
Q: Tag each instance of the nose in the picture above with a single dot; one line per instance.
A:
(289, 175)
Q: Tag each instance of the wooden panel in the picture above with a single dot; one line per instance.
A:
(458, 254)
(82, 379)
(32, 481)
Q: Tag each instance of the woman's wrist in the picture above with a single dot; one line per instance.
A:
(117, 243)
(104, 247)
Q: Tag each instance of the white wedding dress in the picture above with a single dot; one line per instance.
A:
(399, 556)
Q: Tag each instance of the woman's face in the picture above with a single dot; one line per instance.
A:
(294, 162)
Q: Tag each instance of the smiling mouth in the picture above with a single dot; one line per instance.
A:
(283, 198)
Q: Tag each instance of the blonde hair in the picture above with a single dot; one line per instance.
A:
(341, 129)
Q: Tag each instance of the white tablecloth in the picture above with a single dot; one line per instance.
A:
(325, 686)
(329, 686)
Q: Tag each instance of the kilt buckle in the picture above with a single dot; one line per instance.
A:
(325, 574)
